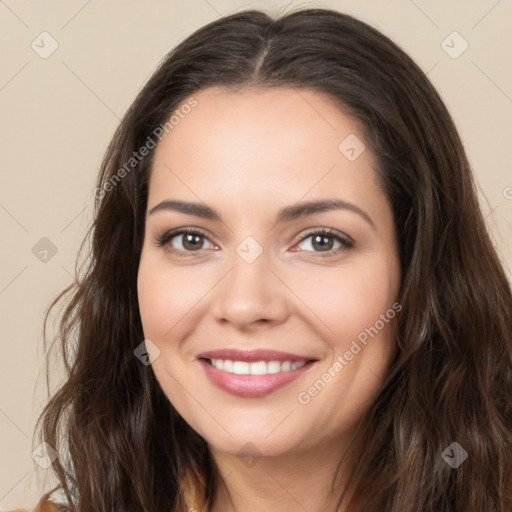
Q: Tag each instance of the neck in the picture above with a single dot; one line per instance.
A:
(311, 479)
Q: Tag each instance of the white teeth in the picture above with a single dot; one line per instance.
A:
(227, 365)
(286, 366)
(241, 367)
(255, 368)
(273, 367)
(259, 368)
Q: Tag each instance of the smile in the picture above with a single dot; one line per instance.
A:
(253, 373)
(255, 368)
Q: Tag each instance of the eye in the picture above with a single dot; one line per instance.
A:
(325, 241)
(184, 240)
(190, 240)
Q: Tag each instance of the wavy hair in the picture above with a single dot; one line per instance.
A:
(123, 445)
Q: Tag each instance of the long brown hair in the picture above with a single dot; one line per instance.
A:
(123, 445)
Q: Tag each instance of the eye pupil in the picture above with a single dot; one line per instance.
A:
(192, 241)
(322, 242)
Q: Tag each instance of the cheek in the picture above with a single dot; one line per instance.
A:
(351, 299)
(168, 298)
(168, 305)
(352, 303)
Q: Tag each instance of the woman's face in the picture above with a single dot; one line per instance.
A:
(290, 247)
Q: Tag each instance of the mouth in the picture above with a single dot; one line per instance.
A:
(257, 367)
(255, 373)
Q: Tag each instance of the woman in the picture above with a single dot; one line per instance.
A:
(287, 218)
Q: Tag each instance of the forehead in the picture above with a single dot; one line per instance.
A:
(263, 142)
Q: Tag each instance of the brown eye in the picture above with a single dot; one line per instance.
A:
(325, 242)
(322, 242)
(184, 241)
(192, 242)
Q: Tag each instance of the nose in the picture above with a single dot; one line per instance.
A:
(250, 295)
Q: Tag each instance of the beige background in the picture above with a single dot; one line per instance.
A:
(59, 113)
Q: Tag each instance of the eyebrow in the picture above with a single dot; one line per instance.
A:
(285, 215)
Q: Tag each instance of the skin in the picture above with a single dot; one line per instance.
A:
(248, 154)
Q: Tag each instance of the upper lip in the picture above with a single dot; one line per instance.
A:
(235, 354)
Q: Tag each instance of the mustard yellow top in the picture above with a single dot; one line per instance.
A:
(43, 506)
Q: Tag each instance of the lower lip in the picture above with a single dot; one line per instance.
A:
(251, 386)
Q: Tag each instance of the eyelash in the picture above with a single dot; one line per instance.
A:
(345, 241)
